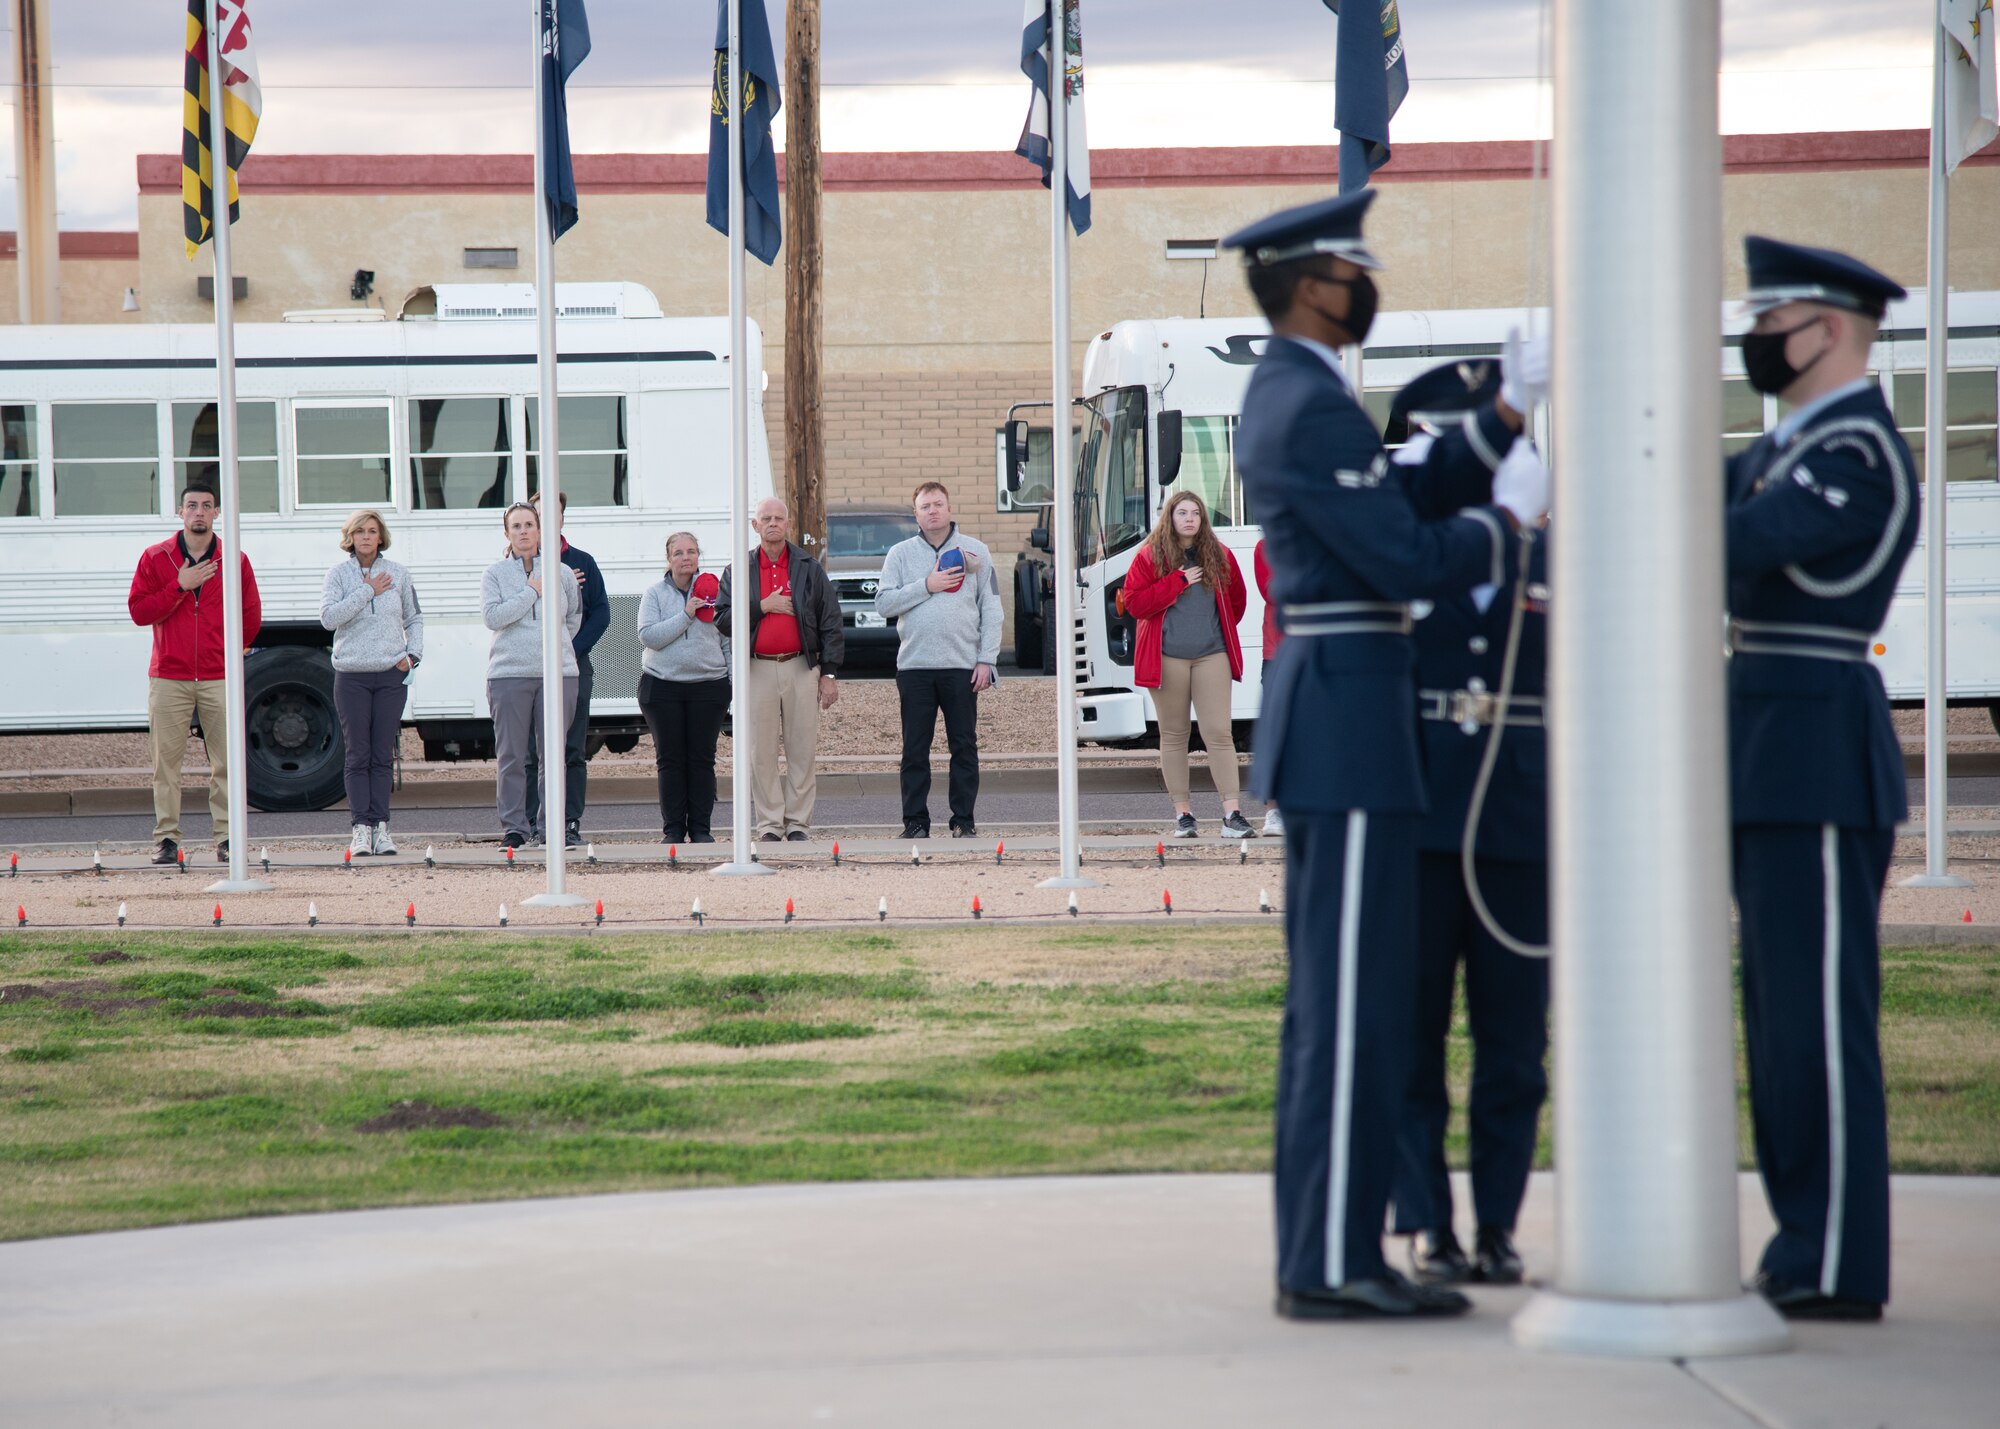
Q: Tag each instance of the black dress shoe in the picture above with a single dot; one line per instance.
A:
(769, 839)
(1436, 1258)
(916, 831)
(222, 852)
(1804, 1302)
(797, 836)
(168, 852)
(963, 831)
(514, 840)
(1494, 1259)
(704, 837)
(1390, 1297)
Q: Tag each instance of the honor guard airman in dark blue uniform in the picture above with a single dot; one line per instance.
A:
(1461, 645)
(1822, 513)
(1351, 541)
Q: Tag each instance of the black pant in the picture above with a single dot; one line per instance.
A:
(923, 693)
(685, 717)
(577, 767)
(370, 706)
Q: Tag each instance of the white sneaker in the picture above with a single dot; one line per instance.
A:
(383, 843)
(1272, 823)
(363, 841)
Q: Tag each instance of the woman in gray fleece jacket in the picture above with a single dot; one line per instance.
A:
(683, 690)
(510, 598)
(370, 604)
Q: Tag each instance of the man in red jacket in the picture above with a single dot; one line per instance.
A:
(176, 592)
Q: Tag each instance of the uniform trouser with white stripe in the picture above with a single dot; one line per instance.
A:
(1343, 1061)
(1809, 897)
(1507, 1008)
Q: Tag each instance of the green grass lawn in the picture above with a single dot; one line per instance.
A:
(217, 1075)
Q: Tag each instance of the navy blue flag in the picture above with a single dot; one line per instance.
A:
(763, 230)
(565, 45)
(1371, 78)
(1036, 46)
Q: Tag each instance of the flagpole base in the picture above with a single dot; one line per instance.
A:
(1650, 1329)
(553, 900)
(742, 870)
(1934, 880)
(241, 885)
(1060, 882)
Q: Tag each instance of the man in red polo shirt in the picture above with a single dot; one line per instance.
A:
(796, 646)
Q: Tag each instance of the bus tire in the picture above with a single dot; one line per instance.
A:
(295, 751)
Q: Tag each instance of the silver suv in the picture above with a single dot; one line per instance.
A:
(857, 539)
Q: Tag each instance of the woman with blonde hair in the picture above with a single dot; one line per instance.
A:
(370, 604)
(683, 689)
(511, 600)
(1187, 594)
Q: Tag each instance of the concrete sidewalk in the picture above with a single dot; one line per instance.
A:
(1102, 1301)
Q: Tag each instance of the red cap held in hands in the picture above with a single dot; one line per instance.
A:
(707, 586)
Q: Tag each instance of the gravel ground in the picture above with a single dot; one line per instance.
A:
(1200, 882)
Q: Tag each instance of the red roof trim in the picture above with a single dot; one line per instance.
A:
(81, 244)
(1110, 168)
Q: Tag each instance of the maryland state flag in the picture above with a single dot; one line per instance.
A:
(242, 103)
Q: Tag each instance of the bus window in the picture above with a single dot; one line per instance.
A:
(195, 450)
(460, 453)
(1118, 482)
(594, 453)
(1742, 415)
(18, 493)
(107, 458)
(1971, 431)
(1208, 469)
(343, 453)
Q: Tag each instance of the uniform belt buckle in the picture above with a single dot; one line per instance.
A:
(1472, 708)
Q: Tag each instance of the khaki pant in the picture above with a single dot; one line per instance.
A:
(170, 706)
(1205, 683)
(784, 706)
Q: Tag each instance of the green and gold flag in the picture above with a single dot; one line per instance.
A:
(242, 103)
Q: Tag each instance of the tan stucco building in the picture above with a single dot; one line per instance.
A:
(936, 287)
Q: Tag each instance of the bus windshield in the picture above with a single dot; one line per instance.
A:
(1111, 476)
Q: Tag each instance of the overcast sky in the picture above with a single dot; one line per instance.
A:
(453, 76)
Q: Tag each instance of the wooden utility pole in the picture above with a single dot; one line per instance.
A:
(805, 438)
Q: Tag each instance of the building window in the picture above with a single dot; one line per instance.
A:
(594, 453)
(460, 453)
(492, 257)
(1972, 434)
(343, 453)
(107, 458)
(19, 494)
(195, 451)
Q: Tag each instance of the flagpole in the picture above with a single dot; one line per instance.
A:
(1071, 875)
(235, 738)
(555, 629)
(740, 736)
(1937, 299)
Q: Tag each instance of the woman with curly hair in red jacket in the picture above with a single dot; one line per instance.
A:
(1187, 594)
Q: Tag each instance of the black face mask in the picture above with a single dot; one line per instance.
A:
(1765, 363)
(1361, 301)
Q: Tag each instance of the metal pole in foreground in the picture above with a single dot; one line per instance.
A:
(230, 569)
(35, 165)
(1937, 300)
(740, 862)
(1068, 816)
(1645, 1106)
(555, 730)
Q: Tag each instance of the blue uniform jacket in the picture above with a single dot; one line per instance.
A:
(1818, 532)
(1457, 645)
(1337, 730)
(596, 603)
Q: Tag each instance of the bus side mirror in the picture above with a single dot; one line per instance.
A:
(1170, 447)
(1017, 453)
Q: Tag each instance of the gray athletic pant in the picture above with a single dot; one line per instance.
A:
(517, 728)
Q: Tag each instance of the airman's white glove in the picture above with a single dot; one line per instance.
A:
(1521, 484)
(1524, 371)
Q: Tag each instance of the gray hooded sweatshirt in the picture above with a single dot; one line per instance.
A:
(371, 632)
(513, 613)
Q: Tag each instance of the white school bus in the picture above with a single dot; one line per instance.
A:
(428, 416)
(1158, 416)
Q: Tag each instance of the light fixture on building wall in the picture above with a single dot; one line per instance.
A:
(362, 286)
(131, 303)
(1190, 249)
